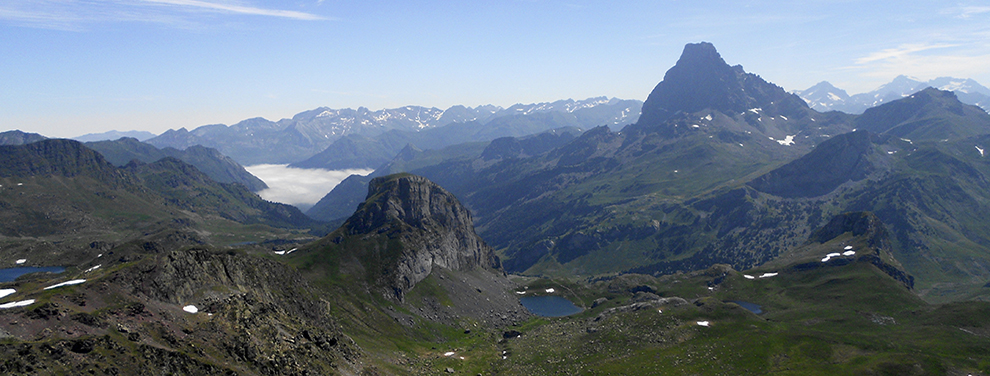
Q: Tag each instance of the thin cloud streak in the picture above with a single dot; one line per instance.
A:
(901, 52)
(74, 15)
(916, 60)
(240, 9)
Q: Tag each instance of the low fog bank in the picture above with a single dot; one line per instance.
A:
(299, 187)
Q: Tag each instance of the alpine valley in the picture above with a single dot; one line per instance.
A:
(722, 226)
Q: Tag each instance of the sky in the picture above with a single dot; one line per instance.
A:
(72, 67)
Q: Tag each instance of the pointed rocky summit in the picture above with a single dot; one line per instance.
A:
(702, 80)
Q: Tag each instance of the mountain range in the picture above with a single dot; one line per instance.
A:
(825, 97)
(724, 167)
(258, 141)
(731, 229)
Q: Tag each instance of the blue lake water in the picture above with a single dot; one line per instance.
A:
(755, 308)
(549, 306)
(10, 274)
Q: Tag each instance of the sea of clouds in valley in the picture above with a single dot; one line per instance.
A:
(297, 186)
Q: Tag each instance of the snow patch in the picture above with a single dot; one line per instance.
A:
(285, 252)
(703, 323)
(755, 110)
(783, 117)
(66, 283)
(93, 268)
(21, 261)
(980, 150)
(708, 117)
(749, 276)
(906, 140)
(449, 353)
(848, 253)
(768, 275)
(550, 290)
(17, 304)
(787, 141)
(848, 247)
(5, 292)
(520, 292)
(190, 308)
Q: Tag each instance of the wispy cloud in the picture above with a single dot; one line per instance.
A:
(922, 60)
(901, 52)
(77, 15)
(239, 9)
(970, 11)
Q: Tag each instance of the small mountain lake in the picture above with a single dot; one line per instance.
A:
(549, 306)
(755, 308)
(10, 274)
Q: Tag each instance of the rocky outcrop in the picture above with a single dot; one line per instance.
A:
(419, 226)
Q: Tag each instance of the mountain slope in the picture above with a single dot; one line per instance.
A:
(217, 166)
(927, 115)
(63, 204)
(16, 137)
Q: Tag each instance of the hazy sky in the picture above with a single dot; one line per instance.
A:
(71, 67)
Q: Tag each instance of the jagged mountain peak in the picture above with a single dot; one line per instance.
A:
(701, 79)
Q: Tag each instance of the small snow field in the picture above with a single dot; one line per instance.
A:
(749, 276)
(768, 275)
(66, 283)
(21, 303)
(190, 308)
(5, 292)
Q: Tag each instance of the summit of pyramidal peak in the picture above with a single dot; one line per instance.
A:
(701, 80)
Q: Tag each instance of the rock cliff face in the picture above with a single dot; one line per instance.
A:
(424, 227)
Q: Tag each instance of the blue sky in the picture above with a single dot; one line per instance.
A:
(72, 67)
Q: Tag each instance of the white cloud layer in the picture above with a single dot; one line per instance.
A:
(299, 187)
